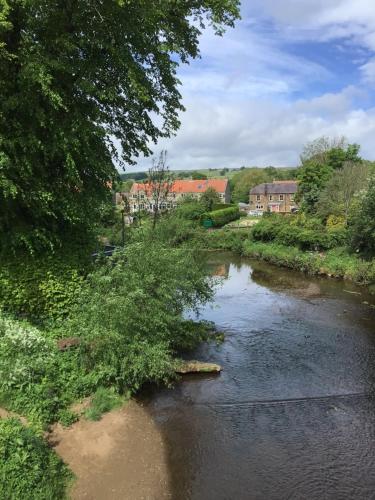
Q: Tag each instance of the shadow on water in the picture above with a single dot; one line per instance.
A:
(292, 414)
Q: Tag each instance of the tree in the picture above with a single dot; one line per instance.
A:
(86, 85)
(210, 198)
(336, 198)
(312, 178)
(244, 180)
(320, 159)
(159, 184)
(197, 176)
(362, 221)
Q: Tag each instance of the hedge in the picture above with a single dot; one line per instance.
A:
(306, 236)
(221, 217)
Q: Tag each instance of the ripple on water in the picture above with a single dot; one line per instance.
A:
(290, 417)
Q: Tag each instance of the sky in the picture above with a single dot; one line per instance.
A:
(289, 72)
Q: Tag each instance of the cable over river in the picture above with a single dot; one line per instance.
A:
(292, 415)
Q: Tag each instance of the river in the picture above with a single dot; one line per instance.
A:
(291, 415)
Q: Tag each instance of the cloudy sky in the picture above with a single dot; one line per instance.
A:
(290, 71)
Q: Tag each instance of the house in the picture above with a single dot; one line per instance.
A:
(276, 196)
(141, 195)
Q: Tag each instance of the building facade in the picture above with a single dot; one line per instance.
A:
(141, 195)
(276, 196)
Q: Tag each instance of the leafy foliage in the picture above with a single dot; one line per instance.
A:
(362, 222)
(102, 401)
(221, 217)
(43, 286)
(299, 231)
(209, 198)
(338, 194)
(28, 467)
(36, 379)
(129, 316)
(76, 77)
(320, 159)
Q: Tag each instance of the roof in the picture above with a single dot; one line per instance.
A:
(276, 187)
(189, 186)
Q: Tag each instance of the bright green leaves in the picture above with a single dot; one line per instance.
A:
(81, 86)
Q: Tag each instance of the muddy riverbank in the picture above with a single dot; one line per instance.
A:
(120, 457)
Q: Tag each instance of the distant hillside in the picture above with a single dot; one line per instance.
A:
(205, 172)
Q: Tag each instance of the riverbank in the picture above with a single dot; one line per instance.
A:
(336, 262)
(121, 456)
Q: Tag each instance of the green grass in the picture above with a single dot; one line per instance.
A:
(103, 401)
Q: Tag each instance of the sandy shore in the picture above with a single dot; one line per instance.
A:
(122, 456)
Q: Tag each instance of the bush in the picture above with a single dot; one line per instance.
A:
(362, 222)
(306, 234)
(221, 217)
(102, 401)
(37, 380)
(45, 286)
(29, 469)
(130, 312)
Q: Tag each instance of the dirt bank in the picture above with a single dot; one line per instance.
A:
(122, 456)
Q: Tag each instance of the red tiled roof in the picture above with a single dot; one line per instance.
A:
(189, 186)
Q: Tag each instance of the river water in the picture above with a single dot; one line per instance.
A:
(291, 415)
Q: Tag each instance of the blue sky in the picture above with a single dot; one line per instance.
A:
(289, 72)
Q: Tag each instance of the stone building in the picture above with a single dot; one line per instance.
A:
(141, 196)
(276, 196)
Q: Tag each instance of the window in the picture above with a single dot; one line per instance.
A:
(292, 197)
(270, 197)
(281, 197)
(258, 197)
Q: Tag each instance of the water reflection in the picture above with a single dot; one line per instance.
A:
(291, 415)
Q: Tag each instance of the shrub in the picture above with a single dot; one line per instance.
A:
(130, 312)
(102, 401)
(304, 233)
(362, 222)
(44, 286)
(28, 466)
(221, 217)
(37, 380)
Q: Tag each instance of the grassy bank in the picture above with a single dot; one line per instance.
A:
(336, 262)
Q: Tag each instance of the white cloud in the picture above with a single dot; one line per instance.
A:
(243, 99)
(368, 71)
(261, 132)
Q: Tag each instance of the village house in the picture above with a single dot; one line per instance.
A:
(276, 196)
(141, 196)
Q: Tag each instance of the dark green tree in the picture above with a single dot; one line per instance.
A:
(210, 198)
(320, 159)
(80, 85)
(197, 176)
(362, 222)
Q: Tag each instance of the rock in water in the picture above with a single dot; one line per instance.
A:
(197, 367)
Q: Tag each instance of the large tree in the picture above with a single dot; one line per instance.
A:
(79, 82)
(320, 159)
